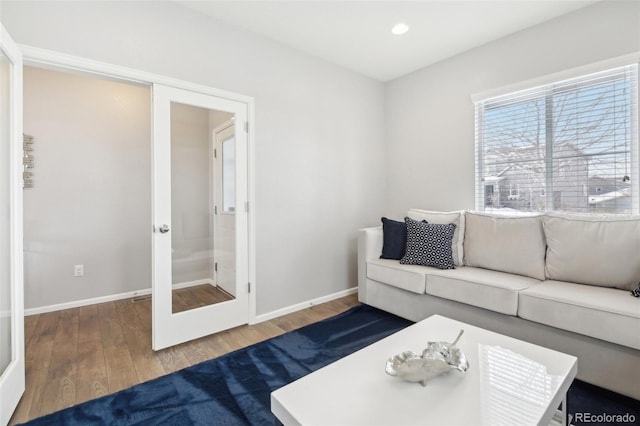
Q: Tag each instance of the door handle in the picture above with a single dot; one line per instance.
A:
(163, 229)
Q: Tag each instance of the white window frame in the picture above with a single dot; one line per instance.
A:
(633, 58)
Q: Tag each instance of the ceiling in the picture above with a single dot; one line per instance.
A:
(357, 35)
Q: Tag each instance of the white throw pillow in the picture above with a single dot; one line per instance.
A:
(444, 218)
(601, 250)
(508, 244)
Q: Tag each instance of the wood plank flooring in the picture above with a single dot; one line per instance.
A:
(197, 296)
(79, 354)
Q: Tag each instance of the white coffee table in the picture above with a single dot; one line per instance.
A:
(509, 382)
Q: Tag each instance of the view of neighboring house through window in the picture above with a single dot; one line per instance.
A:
(567, 146)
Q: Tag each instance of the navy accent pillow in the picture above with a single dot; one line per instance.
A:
(394, 239)
(429, 244)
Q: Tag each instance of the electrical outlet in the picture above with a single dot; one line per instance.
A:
(78, 270)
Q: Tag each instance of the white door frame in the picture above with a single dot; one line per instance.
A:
(218, 207)
(12, 379)
(54, 60)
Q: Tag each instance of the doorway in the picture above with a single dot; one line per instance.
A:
(97, 263)
(224, 219)
(194, 188)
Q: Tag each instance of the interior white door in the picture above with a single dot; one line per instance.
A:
(225, 208)
(12, 367)
(185, 183)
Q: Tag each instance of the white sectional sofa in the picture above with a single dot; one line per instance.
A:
(559, 281)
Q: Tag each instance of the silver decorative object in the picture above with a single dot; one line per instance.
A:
(438, 358)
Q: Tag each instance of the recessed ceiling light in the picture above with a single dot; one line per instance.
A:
(400, 28)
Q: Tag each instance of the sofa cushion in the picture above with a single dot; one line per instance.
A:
(457, 218)
(602, 251)
(394, 239)
(391, 272)
(507, 244)
(428, 244)
(493, 290)
(604, 313)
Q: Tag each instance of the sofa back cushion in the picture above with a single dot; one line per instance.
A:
(444, 218)
(602, 251)
(508, 244)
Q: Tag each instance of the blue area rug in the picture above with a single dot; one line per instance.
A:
(235, 389)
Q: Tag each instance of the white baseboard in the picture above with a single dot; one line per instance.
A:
(193, 283)
(304, 305)
(85, 302)
(109, 298)
(144, 292)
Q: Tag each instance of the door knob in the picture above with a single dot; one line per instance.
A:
(164, 229)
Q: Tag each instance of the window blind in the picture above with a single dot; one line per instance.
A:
(566, 146)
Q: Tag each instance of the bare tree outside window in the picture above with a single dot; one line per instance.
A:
(566, 146)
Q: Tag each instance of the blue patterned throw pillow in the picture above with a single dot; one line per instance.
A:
(429, 244)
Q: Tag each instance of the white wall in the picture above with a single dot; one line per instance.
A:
(430, 116)
(90, 203)
(320, 166)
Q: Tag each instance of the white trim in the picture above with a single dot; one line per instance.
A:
(86, 302)
(56, 60)
(221, 245)
(299, 306)
(186, 284)
(12, 379)
(251, 203)
(147, 291)
(109, 298)
(224, 126)
(558, 76)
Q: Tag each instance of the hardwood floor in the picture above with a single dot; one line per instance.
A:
(83, 353)
(197, 296)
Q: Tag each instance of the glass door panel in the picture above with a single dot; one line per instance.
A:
(194, 186)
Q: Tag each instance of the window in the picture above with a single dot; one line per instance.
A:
(514, 191)
(567, 146)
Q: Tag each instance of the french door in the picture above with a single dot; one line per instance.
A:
(12, 366)
(187, 303)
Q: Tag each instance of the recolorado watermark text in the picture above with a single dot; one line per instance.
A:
(604, 418)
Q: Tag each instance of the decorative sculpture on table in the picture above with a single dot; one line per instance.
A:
(437, 358)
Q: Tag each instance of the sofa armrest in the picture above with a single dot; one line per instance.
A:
(369, 247)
